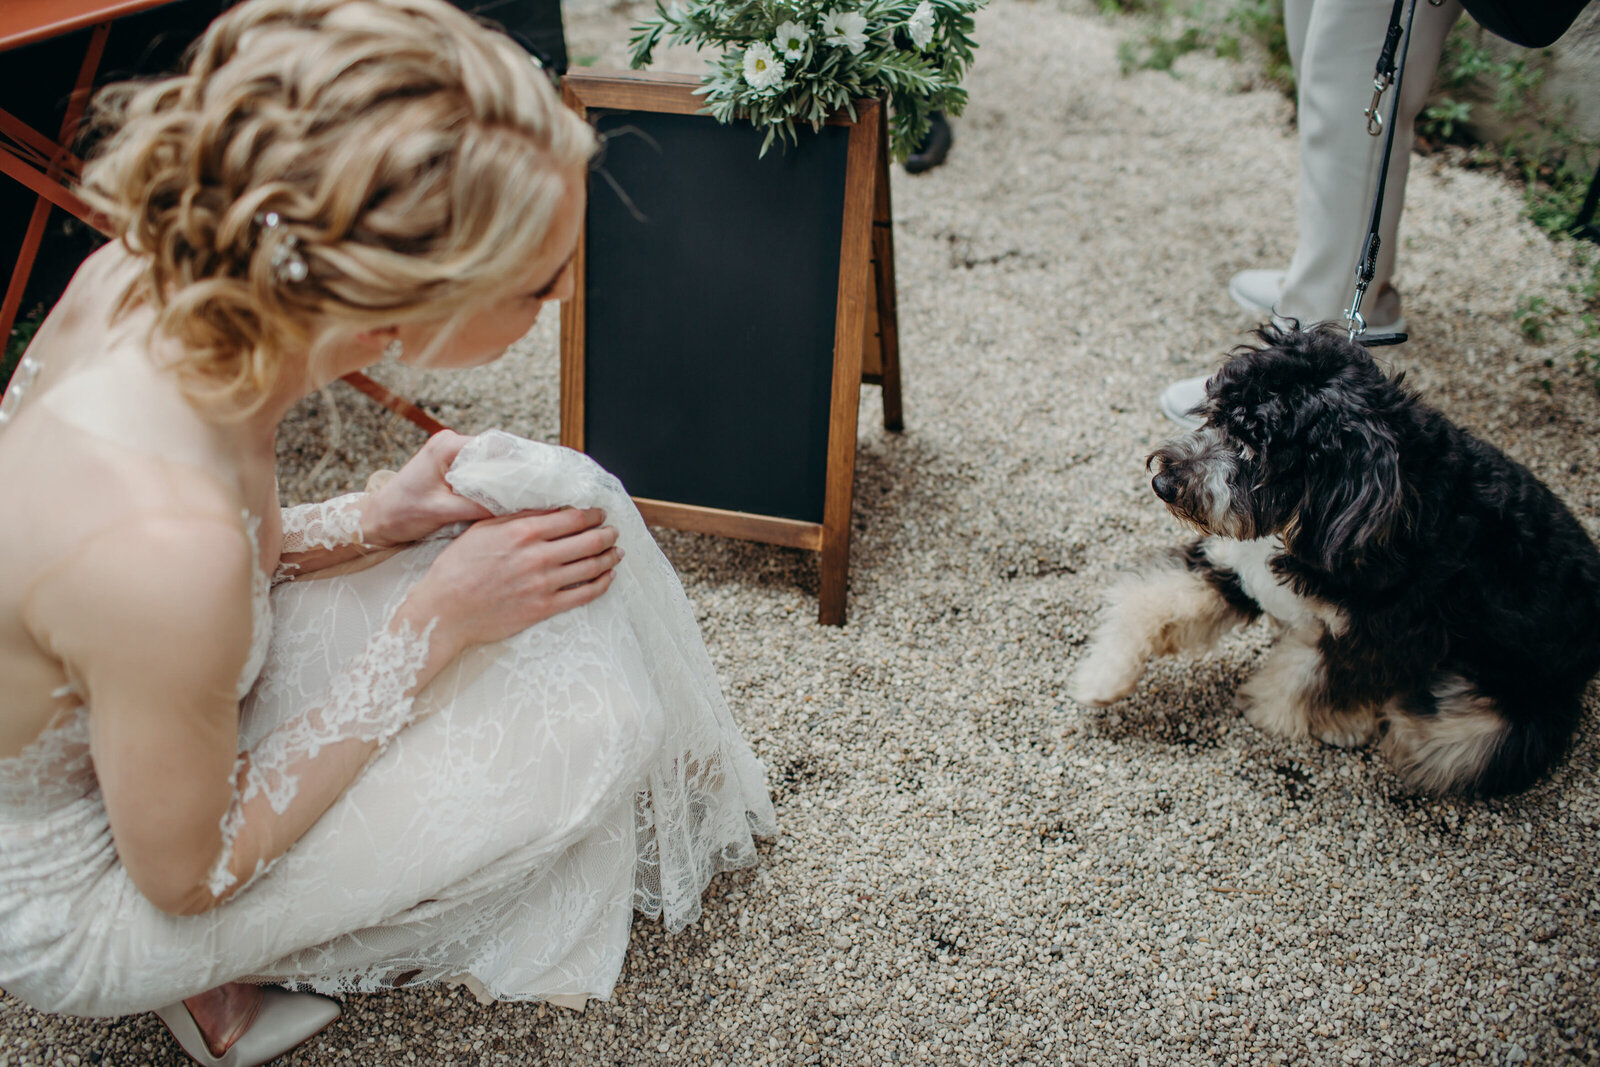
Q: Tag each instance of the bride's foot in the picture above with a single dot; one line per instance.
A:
(239, 1025)
(223, 1014)
(571, 1001)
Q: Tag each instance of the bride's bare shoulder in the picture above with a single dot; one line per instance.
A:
(106, 273)
(97, 285)
(107, 263)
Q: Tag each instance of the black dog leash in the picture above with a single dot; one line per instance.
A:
(1383, 75)
(1387, 74)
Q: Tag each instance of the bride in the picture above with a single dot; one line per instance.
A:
(453, 728)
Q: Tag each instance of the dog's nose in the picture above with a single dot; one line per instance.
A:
(1166, 486)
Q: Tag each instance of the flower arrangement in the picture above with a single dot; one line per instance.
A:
(790, 61)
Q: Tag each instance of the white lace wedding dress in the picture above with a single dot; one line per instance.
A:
(557, 782)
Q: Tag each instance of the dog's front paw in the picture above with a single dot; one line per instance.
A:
(1104, 678)
(1270, 710)
(1346, 729)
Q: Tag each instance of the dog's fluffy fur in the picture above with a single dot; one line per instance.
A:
(1430, 591)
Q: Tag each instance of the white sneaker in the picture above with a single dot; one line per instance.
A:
(1180, 398)
(1257, 291)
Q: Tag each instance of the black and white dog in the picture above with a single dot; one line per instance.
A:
(1429, 590)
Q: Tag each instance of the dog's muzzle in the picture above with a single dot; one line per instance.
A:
(1166, 486)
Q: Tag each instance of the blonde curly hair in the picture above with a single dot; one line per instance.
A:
(415, 158)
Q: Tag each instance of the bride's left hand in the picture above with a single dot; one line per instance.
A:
(417, 501)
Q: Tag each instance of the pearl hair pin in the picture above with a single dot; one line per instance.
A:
(288, 265)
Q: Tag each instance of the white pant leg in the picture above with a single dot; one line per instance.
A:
(1296, 20)
(1339, 160)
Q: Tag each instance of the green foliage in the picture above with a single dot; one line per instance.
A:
(1468, 68)
(1555, 192)
(1261, 21)
(1222, 28)
(1159, 51)
(1553, 162)
(21, 334)
(1543, 320)
(1445, 120)
(1515, 84)
(1463, 61)
(1132, 7)
(1587, 290)
(874, 52)
(1533, 317)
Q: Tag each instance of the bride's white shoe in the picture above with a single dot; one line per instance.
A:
(283, 1021)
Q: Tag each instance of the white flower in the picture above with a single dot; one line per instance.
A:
(790, 39)
(762, 69)
(845, 29)
(920, 25)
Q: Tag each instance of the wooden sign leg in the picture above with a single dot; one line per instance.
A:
(835, 581)
(862, 170)
(883, 279)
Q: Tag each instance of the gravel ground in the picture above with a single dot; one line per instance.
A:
(972, 868)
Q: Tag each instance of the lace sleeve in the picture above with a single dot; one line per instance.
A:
(309, 527)
(370, 701)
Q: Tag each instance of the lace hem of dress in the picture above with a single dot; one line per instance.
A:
(369, 701)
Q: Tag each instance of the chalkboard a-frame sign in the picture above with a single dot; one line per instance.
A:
(726, 310)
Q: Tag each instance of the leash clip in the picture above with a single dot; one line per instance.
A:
(1366, 268)
(1355, 324)
(1380, 85)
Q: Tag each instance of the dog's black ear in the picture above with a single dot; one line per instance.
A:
(1354, 500)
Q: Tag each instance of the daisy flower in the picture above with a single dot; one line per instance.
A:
(920, 25)
(762, 69)
(790, 40)
(845, 29)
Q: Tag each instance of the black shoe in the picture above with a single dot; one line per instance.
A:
(934, 147)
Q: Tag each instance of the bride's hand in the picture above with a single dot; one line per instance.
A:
(417, 501)
(503, 575)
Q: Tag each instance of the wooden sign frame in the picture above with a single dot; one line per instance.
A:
(866, 334)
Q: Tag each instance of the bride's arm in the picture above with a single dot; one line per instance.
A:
(159, 664)
(193, 819)
(395, 509)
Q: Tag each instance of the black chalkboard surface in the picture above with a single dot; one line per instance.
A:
(719, 274)
(728, 307)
